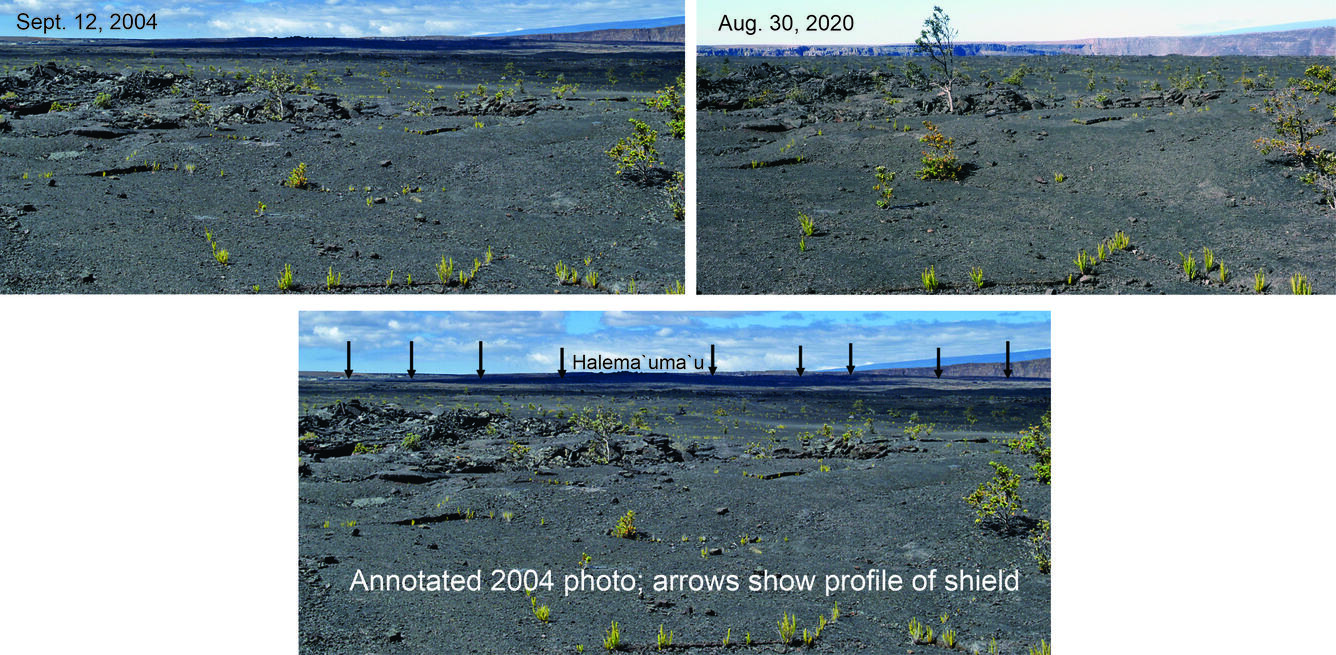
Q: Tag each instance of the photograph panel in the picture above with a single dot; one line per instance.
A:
(518, 482)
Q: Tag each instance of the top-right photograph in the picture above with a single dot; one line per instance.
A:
(977, 147)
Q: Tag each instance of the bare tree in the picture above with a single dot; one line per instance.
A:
(937, 40)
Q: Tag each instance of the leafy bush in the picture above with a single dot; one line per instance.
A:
(939, 162)
(626, 526)
(1017, 77)
(669, 99)
(297, 178)
(636, 154)
(883, 186)
(1034, 441)
(998, 499)
(412, 441)
(1041, 546)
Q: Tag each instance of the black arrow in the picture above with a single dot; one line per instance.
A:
(1007, 370)
(481, 370)
(711, 359)
(800, 361)
(410, 360)
(562, 370)
(851, 359)
(938, 370)
(348, 371)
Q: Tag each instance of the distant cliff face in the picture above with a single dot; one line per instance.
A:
(1315, 42)
(1319, 41)
(665, 34)
(1032, 368)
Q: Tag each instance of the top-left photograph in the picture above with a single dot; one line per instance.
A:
(318, 147)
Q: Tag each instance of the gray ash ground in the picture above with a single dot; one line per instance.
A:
(504, 479)
(1175, 170)
(116, 196)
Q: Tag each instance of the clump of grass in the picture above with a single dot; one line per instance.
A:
(445, 271)
(1259, 281)
(592, 278)
(412, 441)
(916, 629)
(1224, 273)
(1059, 178)
(1084, 262)
(333, 280)
(1189, 265)
(788, 626)
(664, 639)
(976, 277)
(929, 279)
(626, 526)
(1207, 259)
(806, 224)
(1300, 286)
(677, 289)
(566, 274)
(285, 279)
(542, 613)
(221, 255)
(1044, 648)
(612, 639)
(1120, 240)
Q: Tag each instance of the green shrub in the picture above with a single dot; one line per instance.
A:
(626, 526)
(297, 178)
(1041, 546)
(883, 186)
(635, 155)
(102, 101)
(999, 498)
(412, 441)
(939, 161)
(1017, 77)
(1034, 441)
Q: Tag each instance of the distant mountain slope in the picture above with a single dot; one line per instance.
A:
(1313, 42)
(1017, 356)
(644, 23)
(1283, 27)
(666, 34)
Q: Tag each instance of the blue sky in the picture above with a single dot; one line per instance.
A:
(344, 18)
(518, 342)
(881, 22)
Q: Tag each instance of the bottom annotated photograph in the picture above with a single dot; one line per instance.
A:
(694, 482)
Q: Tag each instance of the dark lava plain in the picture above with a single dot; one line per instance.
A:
(1175, 169)
(400, 174)
(503, 478)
